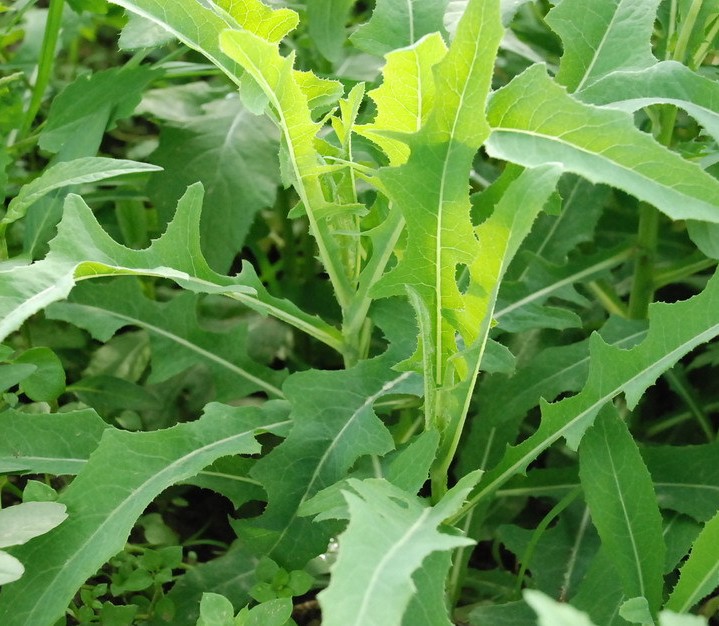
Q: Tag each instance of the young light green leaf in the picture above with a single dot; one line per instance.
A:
(699, 575)
(601, 37)
(233, 153)
(667, 82)
(618, 489)
(215, 610)
(395, 25)
(67, 173)
(371, 582)
(48, 444)
(177, 340)
(102, 511)
(613, 371)
(275, 77)
(406, 96)
(21, 522)
(431, 187)
(260, 19)
(534, 121)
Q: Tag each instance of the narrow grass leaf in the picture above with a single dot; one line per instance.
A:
(618, 489)
(102, 511)
(534, 121)
(371, 582)
(699, 575)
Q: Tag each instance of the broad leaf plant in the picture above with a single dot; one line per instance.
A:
(402, 313)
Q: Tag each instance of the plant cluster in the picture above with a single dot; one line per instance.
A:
(380, 313)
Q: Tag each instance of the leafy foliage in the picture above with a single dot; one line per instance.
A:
(402, 313)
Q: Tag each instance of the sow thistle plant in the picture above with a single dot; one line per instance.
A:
(403, 320)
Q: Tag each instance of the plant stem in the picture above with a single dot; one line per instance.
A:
(643, 284)
(45, 63)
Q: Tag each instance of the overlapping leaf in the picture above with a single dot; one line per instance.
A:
(431, 187)
(534, 121)
(613, 371)
(102, 510)
(601, 37)
(177, 340)
(371, 582)
(618, 489)
(84, 250)
(663, 83)
(398, 24)
(699, 575)
(334, 424)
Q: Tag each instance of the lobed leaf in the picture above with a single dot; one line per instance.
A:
(534, 121)
(613, 371)
(371, 581)
(102, 511)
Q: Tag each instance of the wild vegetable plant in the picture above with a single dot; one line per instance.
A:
(402, 315)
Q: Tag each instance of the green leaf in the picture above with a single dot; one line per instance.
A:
(428, 605)
(82, 250)
(256, 17)
(613, 371)
(67, 173)
(287, 92)
(11, 374)
(371, 581)
(90, 105)
(699, 575)
(553, 613)
(47, 382)
(193, 23)
(601, 37)
(233, 153)
(21, 522)
(48, 444)
(618, 489)
(319, 452)
(398, 24)
(667, 82)
(177, 340)
(431, 190)
(274, 612)
(686, 479)
(215, 610)
(327, 20)
(534, 121)
(102, 510)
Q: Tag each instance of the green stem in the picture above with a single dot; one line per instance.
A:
(643, 281)
(45, 63)
(680, 52)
